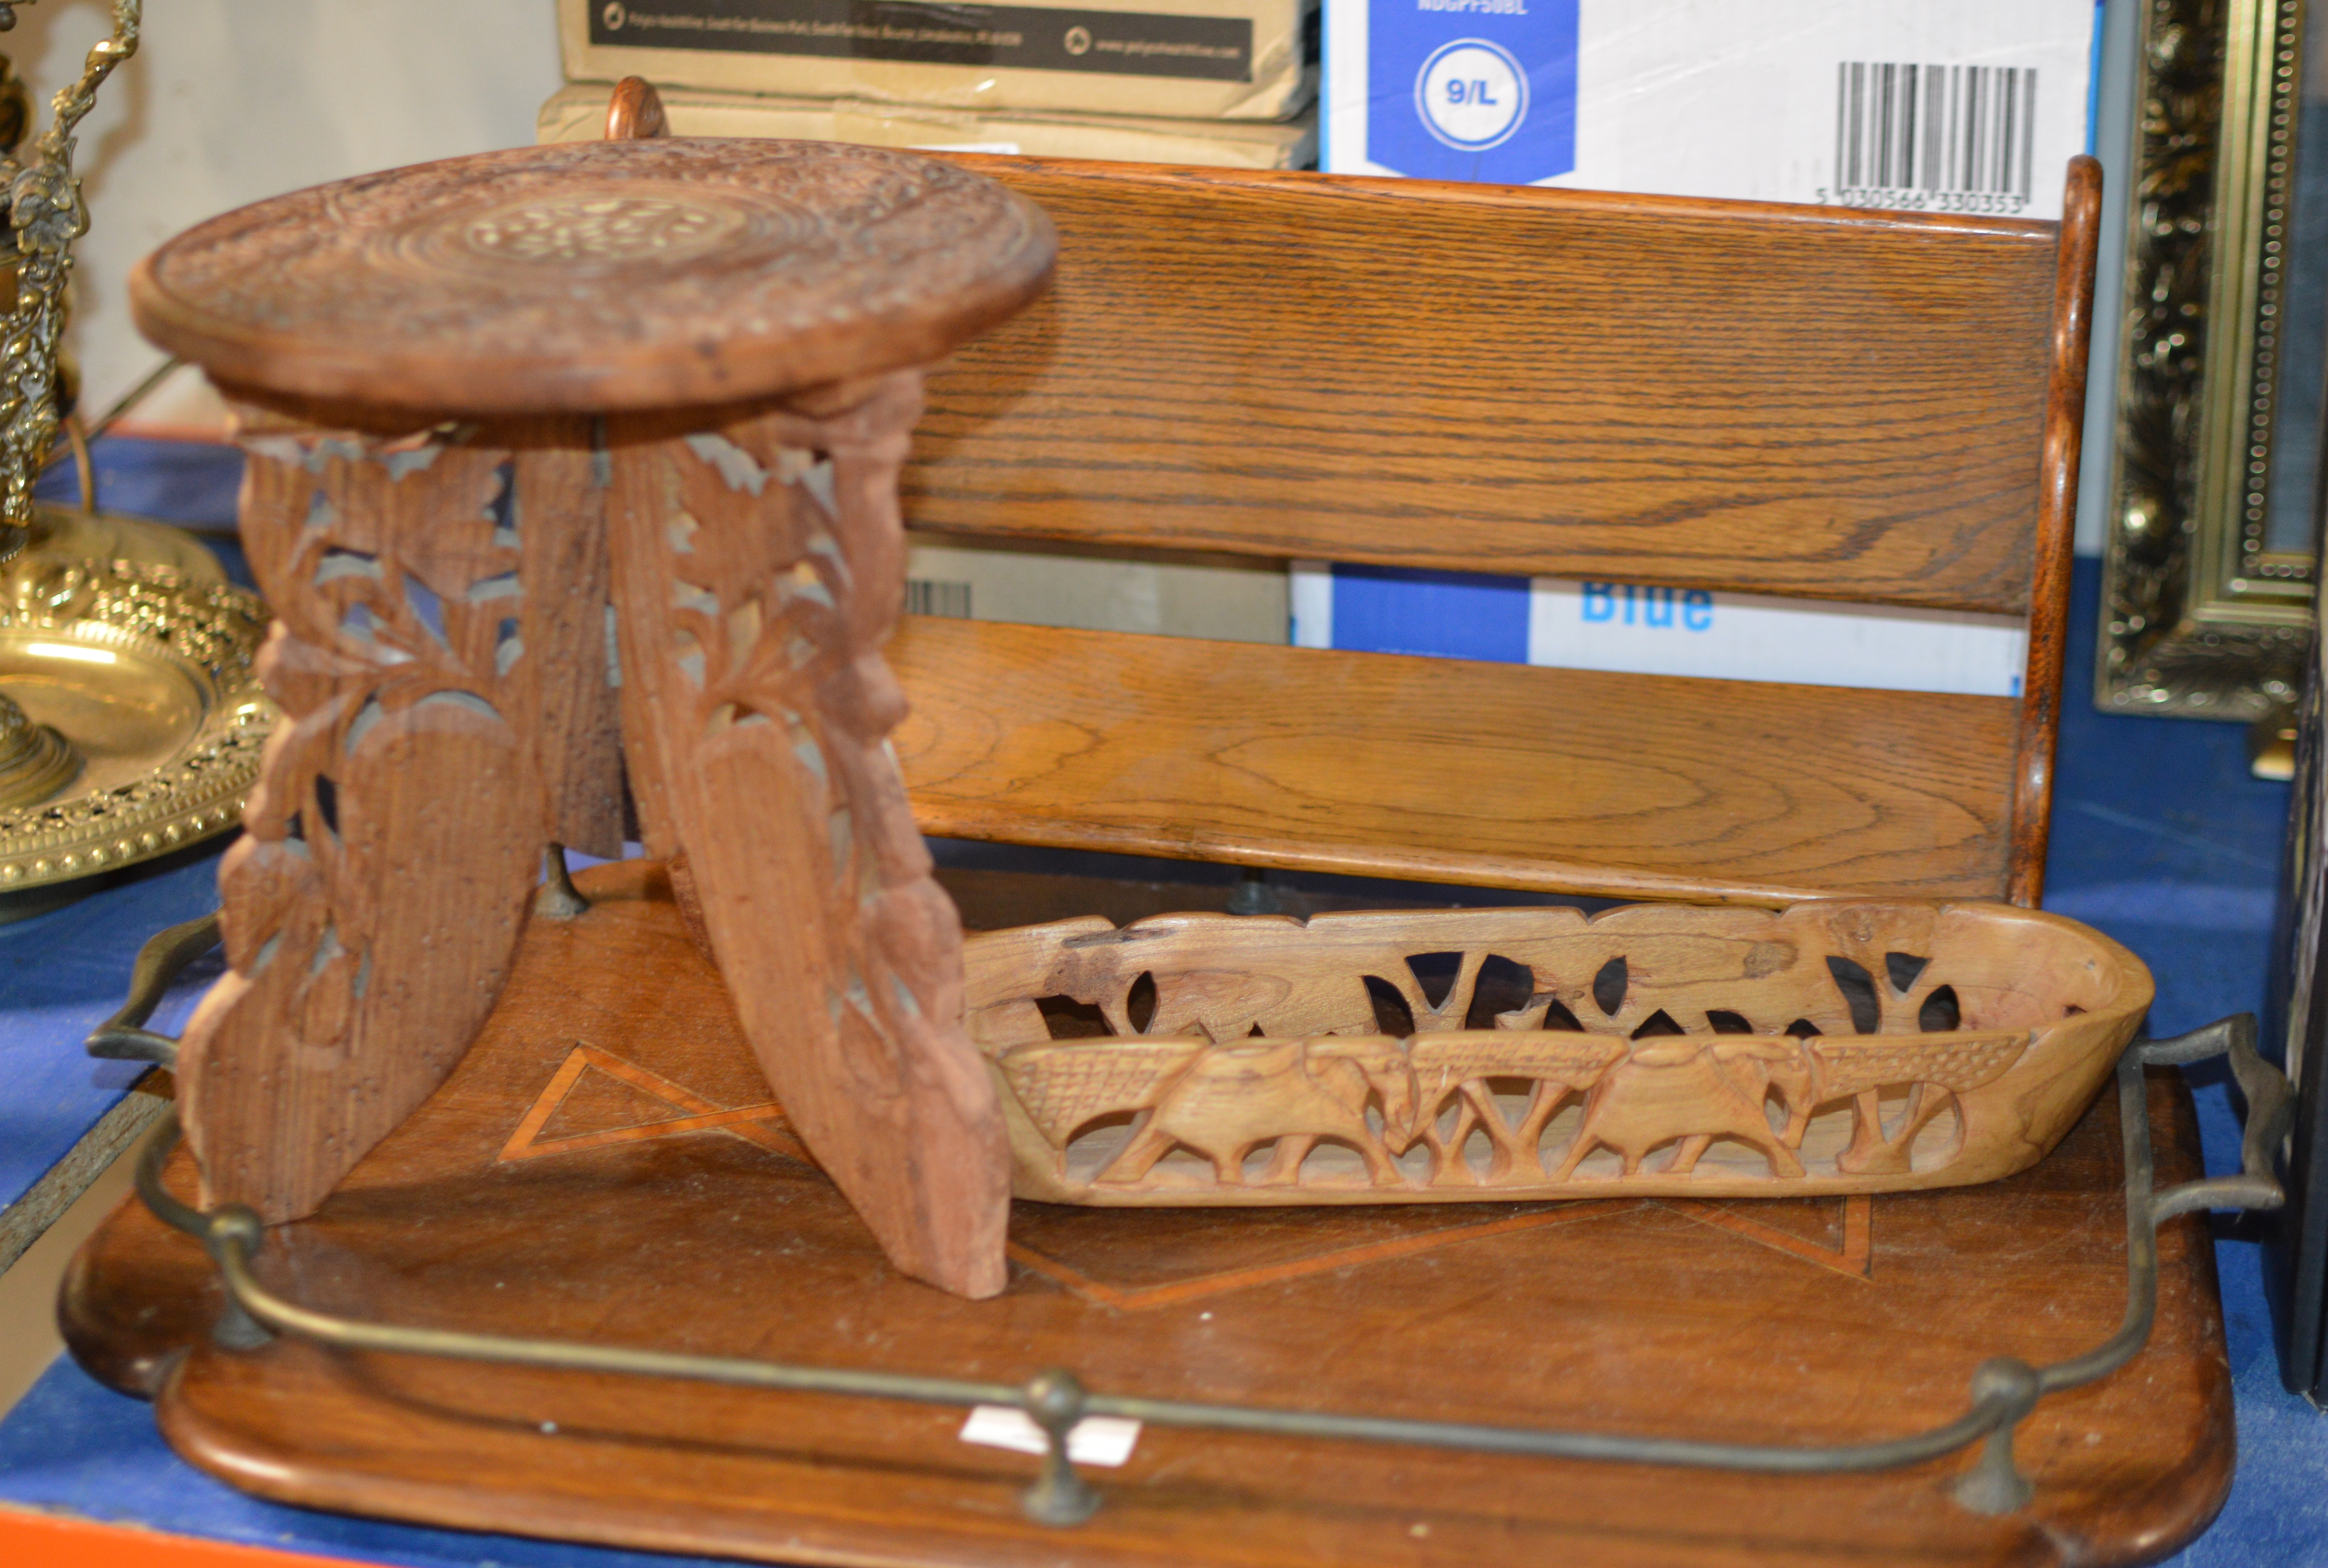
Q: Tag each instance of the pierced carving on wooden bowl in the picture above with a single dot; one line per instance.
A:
(1492, 1054)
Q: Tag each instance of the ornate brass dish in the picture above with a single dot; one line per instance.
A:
(66, 534)
(147, 676)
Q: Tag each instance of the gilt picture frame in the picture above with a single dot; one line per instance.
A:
(2210, 569)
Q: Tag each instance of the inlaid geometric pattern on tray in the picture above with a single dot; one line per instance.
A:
(1105, 1275)
(762, 1123)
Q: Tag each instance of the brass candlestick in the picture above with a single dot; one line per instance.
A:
(35, 761)
(45, 216)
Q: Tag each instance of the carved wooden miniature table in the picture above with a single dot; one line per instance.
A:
(565, 459)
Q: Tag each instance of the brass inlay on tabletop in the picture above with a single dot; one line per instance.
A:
(607, 230)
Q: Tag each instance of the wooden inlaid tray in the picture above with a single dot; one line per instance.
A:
(606, 1166)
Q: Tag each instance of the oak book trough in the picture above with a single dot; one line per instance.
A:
(581, 467)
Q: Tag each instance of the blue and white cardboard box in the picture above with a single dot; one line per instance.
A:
(1655, 630)
(1966, 105)
(1939, 105)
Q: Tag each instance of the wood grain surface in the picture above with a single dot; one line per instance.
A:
(578, 736)
(756, 572)
(2057, 524)
(634, 111)
(587, 277)
(1847, 405)
(1450, 771)
(606, 1165)
(373, 905)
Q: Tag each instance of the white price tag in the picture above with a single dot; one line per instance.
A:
(1097, 1440)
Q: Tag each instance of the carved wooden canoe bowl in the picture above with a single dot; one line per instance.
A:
(1836, 1047)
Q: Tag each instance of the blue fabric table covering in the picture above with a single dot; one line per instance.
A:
(2161, 838)
(61, 975)
(62, 972)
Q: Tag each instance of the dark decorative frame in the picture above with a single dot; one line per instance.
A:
(2200, 619)
(2297, 1023)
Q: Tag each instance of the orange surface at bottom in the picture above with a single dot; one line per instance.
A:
(29, 1540)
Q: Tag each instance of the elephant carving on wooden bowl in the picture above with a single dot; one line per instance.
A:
(1833, 1047)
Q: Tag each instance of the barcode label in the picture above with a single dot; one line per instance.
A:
(929, 597)
(1952, 138)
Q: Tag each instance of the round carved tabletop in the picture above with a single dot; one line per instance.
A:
(597, 276)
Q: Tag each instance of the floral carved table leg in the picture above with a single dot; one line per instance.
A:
(391, 851)
(757, 570)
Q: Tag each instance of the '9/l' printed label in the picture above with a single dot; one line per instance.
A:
(1472, 89)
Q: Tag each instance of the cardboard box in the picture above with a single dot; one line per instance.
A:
(1228, 599)
(1973, 105)
(1976, 106)
(1656, 631)
(578, 114)
(1246, 60)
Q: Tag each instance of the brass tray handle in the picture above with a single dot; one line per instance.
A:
(2003, 1389)
(165, 955)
